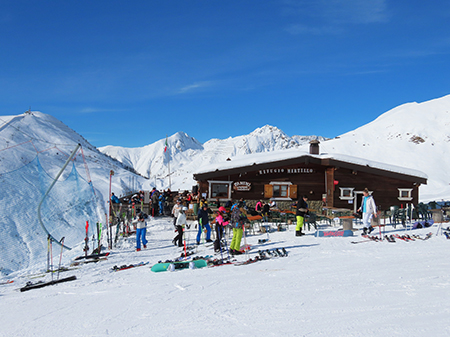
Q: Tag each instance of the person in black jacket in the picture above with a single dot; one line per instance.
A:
(302, 210)
(203, 222)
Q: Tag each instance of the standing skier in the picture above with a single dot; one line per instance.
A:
(238, 219)
(141, 231)
(368, 209)
(203, 221)
(302, 210)
(221, 222)
(180, 224)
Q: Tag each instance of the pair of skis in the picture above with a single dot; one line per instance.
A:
(275, 252)
(124, 267)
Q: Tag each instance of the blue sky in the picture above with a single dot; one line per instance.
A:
(128, 73)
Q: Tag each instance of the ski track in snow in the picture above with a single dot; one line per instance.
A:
(325, 287)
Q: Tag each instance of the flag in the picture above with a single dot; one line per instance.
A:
(165, 145)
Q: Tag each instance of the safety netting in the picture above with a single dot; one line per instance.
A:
(64, 209)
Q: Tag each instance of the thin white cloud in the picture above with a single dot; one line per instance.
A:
(328, 17)
(356, 11)
(90, 110)
(195, 86)
(297, 29)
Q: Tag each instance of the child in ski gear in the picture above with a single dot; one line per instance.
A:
(221, 222)
(180, 224)
(141, 231)
(238, 219)
(203, 220)
(302, 210)
(368, 209)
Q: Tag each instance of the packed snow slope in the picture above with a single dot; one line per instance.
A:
(413, 135)
(325, 287)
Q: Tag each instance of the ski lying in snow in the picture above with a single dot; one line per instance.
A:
(188, 253)
(355, 242)
(276, 252)
(403, 237)
(6, 282)
(77, 263)
(263, 241)
(427, 236)
(92, 256)
(40, 284)
(124, 267)
(184, 259)
(389, 238)
(178, 265)
(368, 239)
(372, 238)
(220, 262)
(249, 261)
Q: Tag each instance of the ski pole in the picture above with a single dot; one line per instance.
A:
(219, 239)
(60, 256)
(48, 252)
(226, 245)
(51, 257)
(245, 241)
(86, 239)
(184, 241)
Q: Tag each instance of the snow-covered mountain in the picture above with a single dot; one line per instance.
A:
(185, 154)
(413, 135)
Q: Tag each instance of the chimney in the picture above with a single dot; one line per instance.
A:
(314, 146)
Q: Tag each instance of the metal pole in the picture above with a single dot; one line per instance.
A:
(48, 191)
(111, 173)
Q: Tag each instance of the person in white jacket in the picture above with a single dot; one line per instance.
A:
(180, 224)
(141, 230)
(368, 209)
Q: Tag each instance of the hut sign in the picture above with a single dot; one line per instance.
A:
(300, 170)
(242, 186)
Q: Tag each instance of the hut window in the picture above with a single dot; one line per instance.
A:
(219, 189)
(280, 191)
(346, 193)
(405, 194)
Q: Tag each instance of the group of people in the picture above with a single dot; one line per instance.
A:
(368, 210)
(237, 220)
(222, 219)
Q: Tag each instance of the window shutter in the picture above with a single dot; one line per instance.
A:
(268, 191)
(293, 191)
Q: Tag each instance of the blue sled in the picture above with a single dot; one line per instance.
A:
(334, 233)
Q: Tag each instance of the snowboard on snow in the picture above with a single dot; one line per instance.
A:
(178, 265)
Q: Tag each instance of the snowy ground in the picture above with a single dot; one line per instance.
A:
(325, 287)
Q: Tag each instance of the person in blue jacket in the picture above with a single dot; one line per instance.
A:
(114, 199)
(203, 222)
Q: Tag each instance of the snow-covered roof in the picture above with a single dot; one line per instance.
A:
(269, 157)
